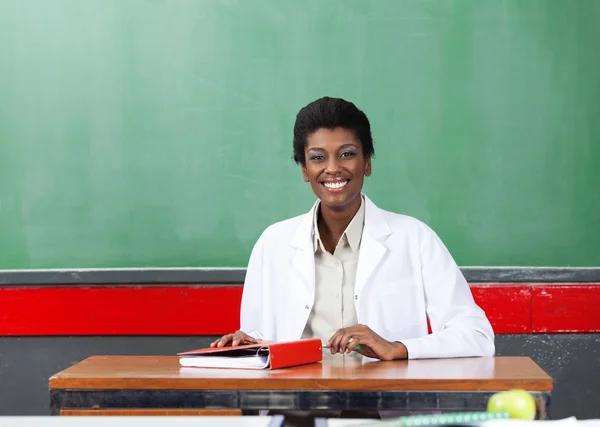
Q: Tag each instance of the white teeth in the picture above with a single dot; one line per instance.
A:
(335, 185)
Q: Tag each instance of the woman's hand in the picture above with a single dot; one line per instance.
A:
(371, 345)
(235, 339)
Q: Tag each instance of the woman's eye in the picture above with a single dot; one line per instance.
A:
(348, 154)
(317, 158)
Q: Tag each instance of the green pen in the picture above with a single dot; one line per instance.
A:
(355, 348)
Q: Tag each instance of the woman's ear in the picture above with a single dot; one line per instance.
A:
(304, 173)
(368, 167)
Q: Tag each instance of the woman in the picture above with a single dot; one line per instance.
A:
(350, 273)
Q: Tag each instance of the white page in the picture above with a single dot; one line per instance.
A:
(259, 361)
(566, 422)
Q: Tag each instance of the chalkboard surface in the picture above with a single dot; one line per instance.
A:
(158, 133)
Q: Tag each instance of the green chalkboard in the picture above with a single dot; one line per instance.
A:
(158, 133)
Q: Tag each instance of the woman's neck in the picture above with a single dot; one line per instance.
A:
(333, 222)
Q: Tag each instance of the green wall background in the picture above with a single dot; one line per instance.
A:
(154, 133)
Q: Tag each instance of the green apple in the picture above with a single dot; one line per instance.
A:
(518, 403)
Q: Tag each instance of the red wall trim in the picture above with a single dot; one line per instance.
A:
(202, 310)
(566, 308)
(173, 310)
(508, 307)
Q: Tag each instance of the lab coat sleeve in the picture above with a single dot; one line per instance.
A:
(460, 328)
(253, 308)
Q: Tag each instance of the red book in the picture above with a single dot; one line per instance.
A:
(268, 355)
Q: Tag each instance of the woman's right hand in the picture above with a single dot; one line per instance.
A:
(235, 339)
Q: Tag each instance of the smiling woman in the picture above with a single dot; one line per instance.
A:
(325, 274)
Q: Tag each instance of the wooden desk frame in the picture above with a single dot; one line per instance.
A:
(281, 399)
(122, 383)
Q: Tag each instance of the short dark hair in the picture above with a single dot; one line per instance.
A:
(331, 113)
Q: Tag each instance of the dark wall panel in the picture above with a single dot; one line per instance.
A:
(27, 363)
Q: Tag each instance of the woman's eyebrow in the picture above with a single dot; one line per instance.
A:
(342, 147)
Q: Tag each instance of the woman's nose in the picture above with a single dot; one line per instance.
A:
(333, 166)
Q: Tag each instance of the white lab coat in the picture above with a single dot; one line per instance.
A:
(404, 275)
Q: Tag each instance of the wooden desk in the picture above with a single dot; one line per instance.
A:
(338, 383)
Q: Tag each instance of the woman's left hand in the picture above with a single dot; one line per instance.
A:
(372, 345)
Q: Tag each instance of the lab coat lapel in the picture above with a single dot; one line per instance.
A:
(303, 264)
(372, 250)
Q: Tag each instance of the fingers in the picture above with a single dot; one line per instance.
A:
(242, 338)
(330, 343)
(352, 344)
(338, 342)
(229, 339)
(347, 337)
(346, 340)
(217, 341)
(225, 340)
(235, 339)
(334, 341)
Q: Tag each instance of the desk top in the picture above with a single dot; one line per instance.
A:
(333, 373)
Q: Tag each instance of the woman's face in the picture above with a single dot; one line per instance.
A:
(335, 166)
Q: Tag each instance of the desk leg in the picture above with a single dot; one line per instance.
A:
(55, 405)
(542, 401)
